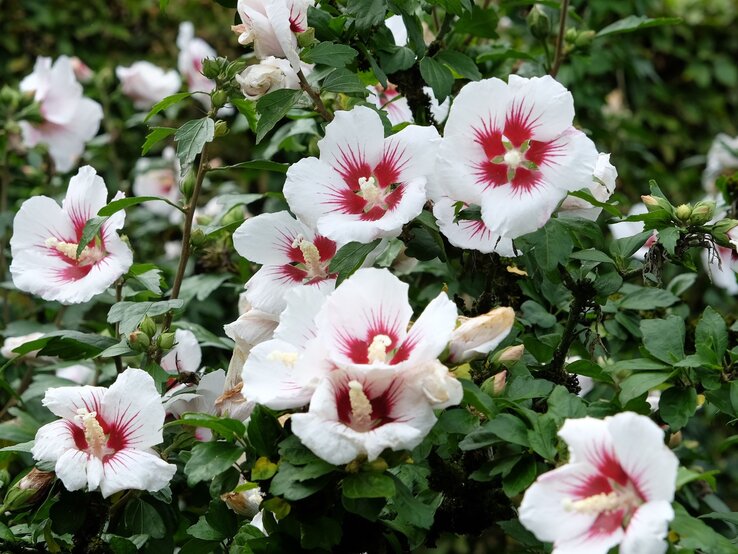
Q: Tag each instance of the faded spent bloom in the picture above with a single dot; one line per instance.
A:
(602, 187)
(268, 75)
(146, 84)
(46, 238)
(69, 119)
(477, 336)
(105, 436)
(616, 489)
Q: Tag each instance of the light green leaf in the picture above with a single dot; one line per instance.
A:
(191, 138)
(636, 22)
(166, 102)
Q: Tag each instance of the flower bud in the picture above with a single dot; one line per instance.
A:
(198, 238)
(584, 39)
(656, 203)
(244, 503)
(495, 385)
(702, 212)
(538, 22)
(476, 337)
(165, 341)
(9, 98)
(82, 71)
(510, 354)
(139, 341)
(221, 128)
(268, 75)
(148, 326)
(211, 67)
(306, 38)
(376, 466)
(28, 490)
(187, 184)
(219, 97)
(683, 212)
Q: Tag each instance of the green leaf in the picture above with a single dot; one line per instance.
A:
(90, 231)
(474, 396)
(210, 459)
(438, 77)
(697, 535)
(636, 22)
(330, 54)
(411, 509)
(639, 383)
(648, 299)
(668, 237)
(350, 257)
(265, 165)
(130, 314)
(201, 286)
(272, 108)
(321, 533)
(141, 518)
(366, 13)
(155, 135)
(480, 22)
(677, 405)
(230, 429)
(368, 485)
(68, 344)
(460, 63)
(203, 531)
(504, 427)
(343, 80)
(166, 102)
(520, 478)
(298, 482)
(263, 469)
(20, 447)
(585, 194)
(264, 432)
(191, 138)
(624, 248)
(123, 203)
(664, 338)
(711, 337)
(592, 255)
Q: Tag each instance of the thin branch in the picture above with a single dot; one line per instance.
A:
(4, 186)
(315, 97)
(118, 297)
(559, 56)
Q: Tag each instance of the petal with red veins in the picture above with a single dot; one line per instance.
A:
(135, 469)
(267, 287)
(469, 234)
(540, 104)
(65, 401)
(52, 440)
(71, 468)
(269, 238)
(313, 189)
(353, 144)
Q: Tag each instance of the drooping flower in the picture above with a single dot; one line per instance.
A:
(616, 489)
(268, 75)
(146, 84)
(105, 437)
(470, 234)
(46, 237)
(602, 187)
(291, 253)
(200, 398)
(245, 503)
(364, 186)
(192, 51)
(282, 373)
(477, 336)
(721, 158)
(159, 177)
(392, 102)
(69, 119)
(186, 354)
(513, 145)
(271, 26)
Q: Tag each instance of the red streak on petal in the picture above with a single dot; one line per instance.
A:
(518, 125)
(389, 167)
(353, 166)
(395, 197)
(606, 523)
(78, 435)
(326, 247)
(290, 273)
(373, 214)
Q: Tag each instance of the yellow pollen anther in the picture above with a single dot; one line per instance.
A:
(377, 351)
(69, 249)
(94, 434)
(361, 407)
(311, 254)
(287, 358)
(370, 191)
(602, 503)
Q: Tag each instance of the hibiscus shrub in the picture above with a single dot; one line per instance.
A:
(456, 330)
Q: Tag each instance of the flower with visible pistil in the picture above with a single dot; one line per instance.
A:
(616, 489)
(46, 239)
(364, 186)
(291, 253)
(511, 148)
(105, 437)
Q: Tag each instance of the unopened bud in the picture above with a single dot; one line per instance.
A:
(306, 38)
(187, 184)
(221, 127)
(656, 203)
(538, 22)
(675, 439)
(510, 354)
(702, 212)
(584, 39)
(477, 336)
(376, 466)
(219, 97)
(211, 67)
(165, 341)
(571, 35)
(28, 490)
(198, 238)
(495, 385)
(139, 341)
(148, 326)
(649, 201)
(9, 98)
(244, 503)
(683, 212)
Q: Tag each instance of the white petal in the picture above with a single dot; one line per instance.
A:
(355, 135)
(133, 406)
(135, 469)
(186, 354)
(297, 322)
(251, 328)
(468, 234)
(550, 107)
(52, 440)
(71, 468)
(639, 446)
(397, 27)
(647, 529)
(431, 332)
(588, 440)
(267, 287)
(311, 190)
(62, 93)
(65, 401)
(510, 213)
(268, 238)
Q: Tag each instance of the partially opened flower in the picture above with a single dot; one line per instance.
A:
(364, 186)
(104, 438)
(722, 158)
(392, 102)
(69, 119)
(268, 75)
(159, 177)
(271, 26)
(146, 84)
(283, 372)
(602, 187)
(477, 336)
(513, 145)
(11, 343)
(616, 489)
(46, 238)
(356, 412)
(192, 52)
(186, 354)
(292, 255)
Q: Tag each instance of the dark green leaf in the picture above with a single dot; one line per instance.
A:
(90, 231)
(123, 203)
(350, 257)
(141, 518)
(711, 337)
(368, 485)
(648, 299)
(480, 22)
(664, 338)
(366, 13)
(166, 102)
(520, 477)
(156, 134)
(191, 138)
(331, 54)
(272, 108)
(230, 429)
(636, 22)
(677, 405)
(343, 80)
(209, 459)
(460, 63)
(265, 165)
(697, 535)
(640, 383)
(130, 314)
(438, 77)
(264, 432)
